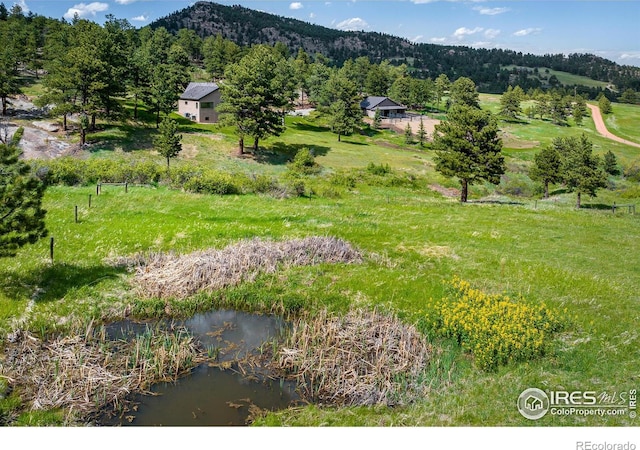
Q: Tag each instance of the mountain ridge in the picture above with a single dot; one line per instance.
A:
(246, 26)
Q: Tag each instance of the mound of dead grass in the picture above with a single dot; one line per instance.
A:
(84, 374)
(362, 358)
(169, 275)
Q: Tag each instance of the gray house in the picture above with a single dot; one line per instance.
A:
(198, 102)
(387, 107)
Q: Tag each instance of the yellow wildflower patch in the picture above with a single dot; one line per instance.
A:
(495, 328)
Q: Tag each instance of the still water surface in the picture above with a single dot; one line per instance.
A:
(210, 396)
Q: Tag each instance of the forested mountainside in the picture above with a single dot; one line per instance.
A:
(486, 67)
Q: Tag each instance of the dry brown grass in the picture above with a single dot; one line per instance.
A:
(168, 275)
(362, 358)
(84, 374)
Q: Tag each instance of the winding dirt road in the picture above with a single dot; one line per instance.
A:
(602, 128)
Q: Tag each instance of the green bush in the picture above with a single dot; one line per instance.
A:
(516, 185)
(213, 182)
(304, 163)
(382, 169)
(632, 172)
(344, 179)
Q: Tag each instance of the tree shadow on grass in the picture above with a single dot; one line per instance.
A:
(121, 137)
(54, 281)
(305, 126)
(280, 153)
(598, 206)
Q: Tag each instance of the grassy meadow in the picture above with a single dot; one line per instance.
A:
(582, 264)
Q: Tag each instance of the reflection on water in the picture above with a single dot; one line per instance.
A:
(209, 395)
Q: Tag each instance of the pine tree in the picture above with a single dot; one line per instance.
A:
(605, 105)
(610, 164)
(422, 133)
(463, 92)
(21, 213)
(408, 134)
(546, 168)
(377, 120)
(468, 147)
(168, 142)
(510, 103)
(579, 110)
(581, 170)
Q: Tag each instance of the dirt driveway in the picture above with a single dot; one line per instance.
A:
(602, 128)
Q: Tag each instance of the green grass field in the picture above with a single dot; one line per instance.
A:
(582, 263)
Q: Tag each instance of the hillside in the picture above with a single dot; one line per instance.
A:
(487, 67)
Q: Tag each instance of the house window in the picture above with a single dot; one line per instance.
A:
(206, 119)
(186, 102)
(208, 105)
(196, 105)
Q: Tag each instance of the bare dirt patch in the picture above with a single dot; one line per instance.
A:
(447, 192)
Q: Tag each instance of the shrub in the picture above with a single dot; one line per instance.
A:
(213, 182)
(495, 328)
(517, 185)
(344, 179)
(381, 170)
(304, 163)
(632, 172)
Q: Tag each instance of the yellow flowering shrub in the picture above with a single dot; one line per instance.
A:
(495, 328)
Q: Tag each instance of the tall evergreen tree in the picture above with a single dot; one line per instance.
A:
(468, 147)
(547, 168)
(168, 142)
(464, 92)
(345, 104)
(581, 169)
(441, 87)
(21, 213)
(257, 91)
(510, 103)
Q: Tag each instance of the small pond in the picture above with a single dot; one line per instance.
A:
(209, 395)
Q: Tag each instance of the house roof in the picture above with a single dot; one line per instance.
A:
(196, 91)
(382, 103)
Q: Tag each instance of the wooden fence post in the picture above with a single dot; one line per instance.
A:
(51, 249)
(76, 213)
(89, 201)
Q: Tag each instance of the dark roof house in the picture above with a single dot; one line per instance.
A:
(386, 106)
(198, 102)
(197, 91)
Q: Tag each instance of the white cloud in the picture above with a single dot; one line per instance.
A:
(23, 5)
(490, 11)
(630, 55)
(416, 39)
(312, 15)
(125, 2)
(438, 40)
(462, 32)
(140, 18)
(296, 5)
(353, 24)
(491, 33)
(84, 10)
(527, 31)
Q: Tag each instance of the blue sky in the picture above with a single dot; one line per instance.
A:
(610, 29)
